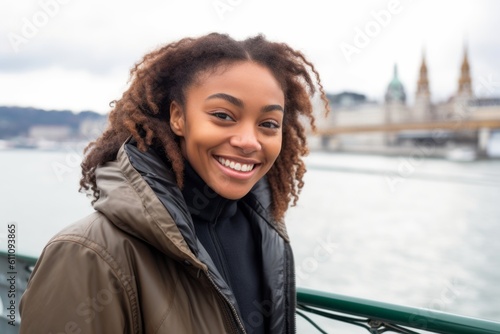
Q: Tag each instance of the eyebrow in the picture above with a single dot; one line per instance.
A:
(272, 107)
(239, 103)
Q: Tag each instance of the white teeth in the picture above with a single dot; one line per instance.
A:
(236, 165)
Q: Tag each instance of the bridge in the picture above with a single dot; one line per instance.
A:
(451, 125)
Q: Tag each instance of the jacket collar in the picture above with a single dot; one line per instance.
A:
(139, 194)
(203, 202)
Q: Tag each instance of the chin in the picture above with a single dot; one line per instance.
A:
(233, 195)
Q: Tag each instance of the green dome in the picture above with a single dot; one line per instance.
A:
(395, 90)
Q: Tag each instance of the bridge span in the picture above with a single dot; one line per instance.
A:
(451, 125)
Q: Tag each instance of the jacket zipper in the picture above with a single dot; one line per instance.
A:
(287, 287)
(233, 309)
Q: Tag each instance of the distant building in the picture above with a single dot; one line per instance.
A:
(349, 108)
(395, 101)
(91, 129)
(395, 90)
(465, 82)
(353, 109)
(50, 132)
(346, 99)
(423, 109)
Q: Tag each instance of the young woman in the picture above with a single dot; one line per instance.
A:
(191, 182)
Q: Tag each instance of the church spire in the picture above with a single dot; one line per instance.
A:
(464, 83)
(423, 81)
(423, 108)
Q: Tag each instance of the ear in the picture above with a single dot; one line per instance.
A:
(177, 119)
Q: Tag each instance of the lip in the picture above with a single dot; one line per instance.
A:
(234, 173)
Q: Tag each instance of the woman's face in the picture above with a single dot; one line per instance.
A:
(231, 127)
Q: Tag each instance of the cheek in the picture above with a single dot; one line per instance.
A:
(198, 137)
(274, 148)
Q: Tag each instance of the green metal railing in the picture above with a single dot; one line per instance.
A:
(376, 317)
(14, 273)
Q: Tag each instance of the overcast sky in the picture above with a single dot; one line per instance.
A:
(75, 54)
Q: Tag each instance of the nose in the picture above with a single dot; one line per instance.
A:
(246, 140)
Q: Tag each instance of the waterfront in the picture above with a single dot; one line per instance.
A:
(402, 230)
(409, 230)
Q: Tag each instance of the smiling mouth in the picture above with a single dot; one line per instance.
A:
(237, 166)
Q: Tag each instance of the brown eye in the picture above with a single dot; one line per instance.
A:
(270, 125)
(223, 116)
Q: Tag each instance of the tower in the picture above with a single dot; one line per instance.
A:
(395, 91)
(395, 99)
(464, 93)
(423, 107)
(464, 83)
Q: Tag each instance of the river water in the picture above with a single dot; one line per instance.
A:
(407, 230)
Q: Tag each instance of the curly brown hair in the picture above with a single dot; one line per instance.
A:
(163, 76)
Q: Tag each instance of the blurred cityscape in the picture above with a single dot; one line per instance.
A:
(464, 127)
(29, 128)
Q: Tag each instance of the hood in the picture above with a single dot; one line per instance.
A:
(132, 205)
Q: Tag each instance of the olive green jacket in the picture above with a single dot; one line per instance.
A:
(136, 266)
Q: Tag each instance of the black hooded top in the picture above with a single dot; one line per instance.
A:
(232, 242)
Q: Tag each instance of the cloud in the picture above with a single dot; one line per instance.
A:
(61, 89)
(100, 41)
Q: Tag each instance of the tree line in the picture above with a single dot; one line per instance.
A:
(17, 121)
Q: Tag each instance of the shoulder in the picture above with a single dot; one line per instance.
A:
(92, 244)
(94, 231)
(97, 237)
(81, 264)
